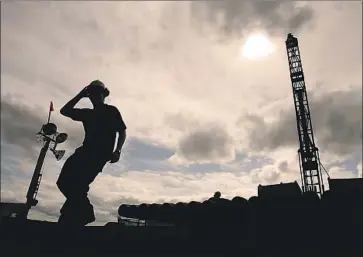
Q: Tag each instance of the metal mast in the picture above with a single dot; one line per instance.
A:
(36, 178)
(49, 135)
(311, 177)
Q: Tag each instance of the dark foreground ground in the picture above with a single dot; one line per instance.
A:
(302, 225)
(337, 236)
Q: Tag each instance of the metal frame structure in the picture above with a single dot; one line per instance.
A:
(51, 138)
(310, 170)
(37, 176)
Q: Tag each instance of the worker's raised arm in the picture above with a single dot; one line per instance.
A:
(68, 109)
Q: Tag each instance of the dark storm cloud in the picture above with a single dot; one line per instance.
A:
(337, 124)
(275, 16)
(20, 123)
(201, 141)
(283, 166)
(207, 143)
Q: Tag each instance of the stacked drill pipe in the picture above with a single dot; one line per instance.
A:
(266, 219)
(210, 211)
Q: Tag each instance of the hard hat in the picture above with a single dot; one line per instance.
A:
(97, 86)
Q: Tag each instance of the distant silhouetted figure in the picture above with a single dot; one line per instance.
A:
(217, 195)
(100, 125)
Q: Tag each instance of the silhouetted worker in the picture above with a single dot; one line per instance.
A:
(216, 197)
(100, 125)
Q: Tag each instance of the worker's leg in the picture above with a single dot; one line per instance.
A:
(69, 170)
(77, 211)
(77, 208)
(75, 186)
(64, 184)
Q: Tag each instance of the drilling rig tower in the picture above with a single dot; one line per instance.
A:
(310, 168)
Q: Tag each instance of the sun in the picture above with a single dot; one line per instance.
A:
(257, 46)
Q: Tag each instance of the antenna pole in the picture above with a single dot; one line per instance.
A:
(48, 135)
(37, 176)
(49, 116)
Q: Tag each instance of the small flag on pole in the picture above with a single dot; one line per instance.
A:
(51, 108)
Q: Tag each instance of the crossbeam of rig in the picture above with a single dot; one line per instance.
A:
(310, 168)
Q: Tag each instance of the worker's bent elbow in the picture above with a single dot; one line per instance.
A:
(123, 133)
(64, 112)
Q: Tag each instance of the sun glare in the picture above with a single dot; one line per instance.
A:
(257, 46)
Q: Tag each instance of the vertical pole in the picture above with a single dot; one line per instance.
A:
(34, 183)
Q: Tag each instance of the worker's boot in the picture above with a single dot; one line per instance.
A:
(76, 219)
(88, 214)
(77, 212)
(69, 220)
(71, 214)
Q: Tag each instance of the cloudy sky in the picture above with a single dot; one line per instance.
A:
(203, 88)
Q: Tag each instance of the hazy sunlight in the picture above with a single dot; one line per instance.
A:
(257, 46)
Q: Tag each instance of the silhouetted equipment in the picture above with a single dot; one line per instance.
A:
(282, 191)
(51, 138)
(310, 168)
(183, 214)
(58, 154)
(61, 137)
(12, 209)
(348, 187)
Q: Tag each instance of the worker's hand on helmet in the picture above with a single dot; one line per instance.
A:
(115, 157)
(84, 92)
